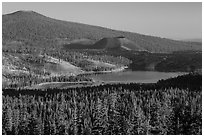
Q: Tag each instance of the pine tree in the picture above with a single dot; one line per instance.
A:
(16, 120)
(8, 120)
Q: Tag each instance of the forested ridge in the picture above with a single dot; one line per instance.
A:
(183, 61)
(121, 109)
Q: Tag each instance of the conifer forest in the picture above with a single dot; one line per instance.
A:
(120, 109)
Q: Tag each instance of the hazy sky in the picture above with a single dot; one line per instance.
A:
(170, 20)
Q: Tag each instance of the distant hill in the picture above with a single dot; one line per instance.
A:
(38, 30)
(117, 43)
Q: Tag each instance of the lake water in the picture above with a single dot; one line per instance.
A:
(135, 76)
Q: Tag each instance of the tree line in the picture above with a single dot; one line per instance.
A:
(21, 81)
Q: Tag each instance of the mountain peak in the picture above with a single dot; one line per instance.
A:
(24, 12)
(27, 11)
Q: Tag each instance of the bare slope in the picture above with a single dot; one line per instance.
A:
(40, 30)
(58, 67)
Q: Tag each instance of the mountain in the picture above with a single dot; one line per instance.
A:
(104, 43)
(35, 29)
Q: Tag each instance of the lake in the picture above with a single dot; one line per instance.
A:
(135, 76)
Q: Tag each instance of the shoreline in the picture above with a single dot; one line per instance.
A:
(101, 72)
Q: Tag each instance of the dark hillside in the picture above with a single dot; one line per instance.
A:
(108, 43)
(39, 30)
(192, 81)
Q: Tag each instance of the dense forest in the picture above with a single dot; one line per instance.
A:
(120, 109)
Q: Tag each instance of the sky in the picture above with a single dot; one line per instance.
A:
(168, 20)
